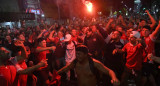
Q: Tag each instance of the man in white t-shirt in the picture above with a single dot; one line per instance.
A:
(70, 54)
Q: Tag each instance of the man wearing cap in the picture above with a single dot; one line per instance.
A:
(70, 49)
(85, 68)
(133, 58)
(70, 53)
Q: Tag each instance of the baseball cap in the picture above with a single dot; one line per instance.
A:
(67, 37)
(136, 34)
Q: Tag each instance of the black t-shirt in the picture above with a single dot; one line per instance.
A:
(94, 43)
(110, 59)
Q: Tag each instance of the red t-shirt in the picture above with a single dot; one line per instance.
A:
(56, 40)
(48, 40)
(150, 46)
(124, 37)
(134, 57)
(7, 75)
(21, 79)
(74, 38)
(40, 55)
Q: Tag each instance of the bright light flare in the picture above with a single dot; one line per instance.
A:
(89, 5)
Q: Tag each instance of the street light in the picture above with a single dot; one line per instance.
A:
(42, 15)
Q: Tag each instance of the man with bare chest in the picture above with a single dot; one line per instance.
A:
(85, 67)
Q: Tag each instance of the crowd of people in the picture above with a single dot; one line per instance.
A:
(101, 51)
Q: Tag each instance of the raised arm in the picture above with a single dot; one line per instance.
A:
(108, 24)
(51, 36)
(40, 35)
(155, 33)
(43, 63)
(102, 31)
(45, 48)
(23, 51)
(122, 21)
(51, 28)
(152, 19)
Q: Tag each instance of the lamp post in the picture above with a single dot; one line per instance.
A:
(59, 15)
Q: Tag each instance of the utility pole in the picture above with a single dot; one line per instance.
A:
(59, 15)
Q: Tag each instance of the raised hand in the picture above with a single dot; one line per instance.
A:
(43, 30)
(111, 20)
(147, 11)
(53, 31)
(18, 43)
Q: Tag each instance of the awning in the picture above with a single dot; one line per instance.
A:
(15, 16)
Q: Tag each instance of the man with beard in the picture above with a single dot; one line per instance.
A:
(114, 62)
(95, 43)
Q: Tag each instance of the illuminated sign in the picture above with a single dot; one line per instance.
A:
(35, 11)
(30, 10)
(38, 12)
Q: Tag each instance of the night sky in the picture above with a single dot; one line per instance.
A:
(69, 8)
